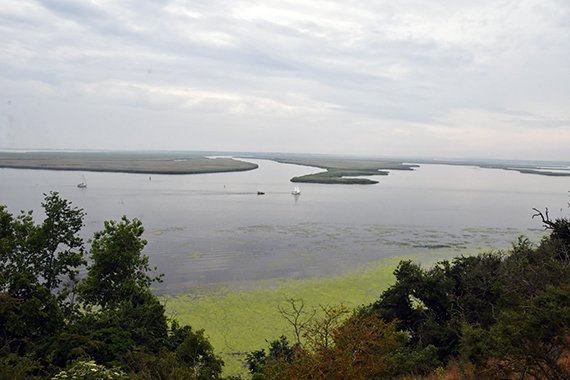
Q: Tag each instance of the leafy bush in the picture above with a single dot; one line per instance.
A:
(90, 371)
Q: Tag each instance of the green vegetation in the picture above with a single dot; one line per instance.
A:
(343, 171)
(90, 371)
(338, 177)
(109, 325)
(126, 162)
(246, 317)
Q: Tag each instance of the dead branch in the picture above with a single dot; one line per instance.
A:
(548, 224)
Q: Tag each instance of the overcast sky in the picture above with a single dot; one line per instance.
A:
(419, 78)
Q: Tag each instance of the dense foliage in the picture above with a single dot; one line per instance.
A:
(108, 325)
(499, 315)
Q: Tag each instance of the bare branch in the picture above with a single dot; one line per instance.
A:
(294, 315)
(549, 224)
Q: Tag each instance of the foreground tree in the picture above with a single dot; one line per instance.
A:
(118, 322)
(125, 313)
(44, 254)
(532, 339)
(530, 335)
(60, 250)
(38, 269)
(339, 346)
(119, 270)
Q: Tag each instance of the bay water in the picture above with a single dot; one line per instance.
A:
(206, 229)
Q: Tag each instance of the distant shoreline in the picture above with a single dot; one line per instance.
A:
(336, 169)
(123, 162)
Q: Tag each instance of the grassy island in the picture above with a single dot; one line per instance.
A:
(125, 162)
(344, 170)
(336, 169)
(345, 177)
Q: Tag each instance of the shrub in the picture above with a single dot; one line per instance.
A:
(90, 371)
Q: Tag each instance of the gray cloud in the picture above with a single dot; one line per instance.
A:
(388, 78)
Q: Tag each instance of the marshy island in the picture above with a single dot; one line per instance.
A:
(346, 170)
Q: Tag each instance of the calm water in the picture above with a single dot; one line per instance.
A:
(210, 228)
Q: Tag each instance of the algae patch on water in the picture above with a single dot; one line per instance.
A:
(239, 318)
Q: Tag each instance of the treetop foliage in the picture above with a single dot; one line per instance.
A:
(118, 270)
(107, 325)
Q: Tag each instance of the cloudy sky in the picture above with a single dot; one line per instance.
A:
(420, 78)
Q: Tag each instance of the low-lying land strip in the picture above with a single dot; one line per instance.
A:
(125, 162)
(344, 170)
(549, 169)
(337, 169)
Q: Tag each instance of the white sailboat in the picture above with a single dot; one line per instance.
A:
(82, 184)
(296, 191)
